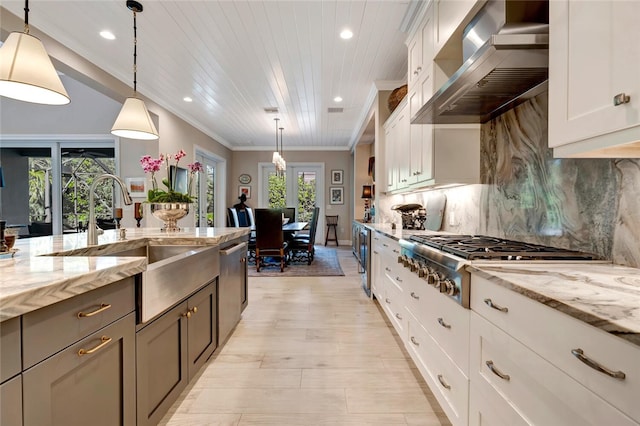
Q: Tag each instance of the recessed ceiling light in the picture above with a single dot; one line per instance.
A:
(346, 34)
(187, 99)
(337, 99)
(107, 35)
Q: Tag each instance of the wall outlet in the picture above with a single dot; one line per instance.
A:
(452, 218)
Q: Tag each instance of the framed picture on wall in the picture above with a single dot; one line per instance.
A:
(137, 187)
(337, 177)
(244, 189)
(336, 195)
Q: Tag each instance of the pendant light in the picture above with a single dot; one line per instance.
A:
(275, 158)
(26, 71)
(134, 121)
(283, 163)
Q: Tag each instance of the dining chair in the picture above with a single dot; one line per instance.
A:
(269, 237)
(290, 213)
(303, 246)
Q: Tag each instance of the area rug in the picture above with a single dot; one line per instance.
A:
(325, 264)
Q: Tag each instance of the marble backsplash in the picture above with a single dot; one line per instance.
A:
(527, 195)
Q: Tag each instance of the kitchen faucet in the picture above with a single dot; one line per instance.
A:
(92, 229)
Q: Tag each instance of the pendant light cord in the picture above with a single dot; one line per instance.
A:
(26, 16)
(135, 54)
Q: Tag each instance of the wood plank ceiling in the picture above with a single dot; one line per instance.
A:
(235, 58)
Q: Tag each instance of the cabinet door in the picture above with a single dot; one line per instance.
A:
(594, 55)
(415, 59)
(11, 402)
(403, 145)
(93, 388)
(161, 364)
(202, 334)
(389, 157)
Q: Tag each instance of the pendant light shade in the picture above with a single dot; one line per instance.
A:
(275, 158)
(134, 121)
(26, 71)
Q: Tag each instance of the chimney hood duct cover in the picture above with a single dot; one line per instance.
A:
(509, 68)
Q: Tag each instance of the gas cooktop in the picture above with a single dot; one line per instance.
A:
(480, 247)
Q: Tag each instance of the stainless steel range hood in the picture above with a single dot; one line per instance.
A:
(509, 66)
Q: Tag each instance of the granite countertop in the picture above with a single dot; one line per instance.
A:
(604, 295)
(38, 275)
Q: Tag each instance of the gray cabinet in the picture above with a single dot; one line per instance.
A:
(90, 382)
(171, 349)
(11, 402)
(10, 355)
(233, 287)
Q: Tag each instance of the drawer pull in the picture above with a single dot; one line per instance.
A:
(443, 383)
(387, 300)
(621, 98)
(194, 310)
(399, 317)
(415, 296)
(398, 279)
(104, 341)
(579, 353)
(414, 341)
(386, 268)
(497, 372)
(444, 324)
(490, 304)
(186, 314)
(103, 307)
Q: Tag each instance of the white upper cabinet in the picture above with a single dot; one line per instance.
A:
(449, 15)
(594, 78)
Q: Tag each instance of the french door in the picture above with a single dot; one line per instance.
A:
(210, 190)
(301, 186)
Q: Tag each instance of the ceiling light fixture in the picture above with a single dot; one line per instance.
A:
(187, 99)
(26, 71)
(134, 121)
(108, 35)
(275, 158)
(346, 34)
(283, 163)
(337, 99)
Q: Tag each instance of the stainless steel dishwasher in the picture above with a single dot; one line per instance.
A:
(232, 287)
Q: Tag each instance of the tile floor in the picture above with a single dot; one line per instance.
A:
(309, 351)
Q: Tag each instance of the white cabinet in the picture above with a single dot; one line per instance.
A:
(552, 359)
(451, 16)
(594, 58)
(396, 143)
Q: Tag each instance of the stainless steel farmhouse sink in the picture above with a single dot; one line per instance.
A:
(173, 272)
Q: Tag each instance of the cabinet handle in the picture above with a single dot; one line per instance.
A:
(415, 296)
(386, 268)
(375, 252)
(386, 245)
(419, 69)
(396, 251)
(415, 72)
(579, 353)
(398, 279)
(387, 300)
(103, 307)
(444, 324)
(414, 341)
(443, 383)
(194, 310)
(243, 260)
(497, 372)
(186, 314)
(399, 316)
(104, 341)
(621, 98)
(490, 304)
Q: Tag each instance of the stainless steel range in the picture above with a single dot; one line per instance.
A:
(441, 259)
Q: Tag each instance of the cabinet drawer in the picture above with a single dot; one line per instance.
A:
(95, 388)
(101, 307)
(449, 385)
(502, 367)
(10, 363)
(393, 304)
(554, 335)
(446, 321)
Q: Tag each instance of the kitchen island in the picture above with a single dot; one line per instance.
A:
(73, 322)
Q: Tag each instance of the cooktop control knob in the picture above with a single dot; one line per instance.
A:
(449, 287)
(434, 279)
(423, 272)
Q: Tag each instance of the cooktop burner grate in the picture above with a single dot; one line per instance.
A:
(480, 247)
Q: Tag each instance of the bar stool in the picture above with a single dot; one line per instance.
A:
(332, 225)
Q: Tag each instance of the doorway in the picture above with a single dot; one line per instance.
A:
(210, 191)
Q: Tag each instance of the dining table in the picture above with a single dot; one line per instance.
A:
(291, 228)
